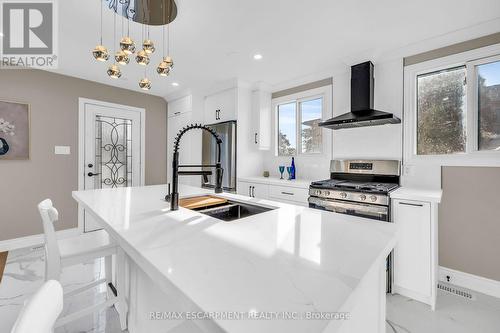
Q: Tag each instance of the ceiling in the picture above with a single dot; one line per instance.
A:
(215, 40)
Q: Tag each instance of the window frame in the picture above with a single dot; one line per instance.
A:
(326, 111)
(472, 155)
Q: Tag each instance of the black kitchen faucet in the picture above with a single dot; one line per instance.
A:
(174, 196)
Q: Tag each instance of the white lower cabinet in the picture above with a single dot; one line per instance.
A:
(415, 255)
(278, 192)
(254, 190)
(286, 193)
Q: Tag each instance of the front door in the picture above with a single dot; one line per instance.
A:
(112, 148)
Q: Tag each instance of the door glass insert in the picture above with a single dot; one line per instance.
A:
(113, 152)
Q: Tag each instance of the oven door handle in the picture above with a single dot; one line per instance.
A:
(333, 204)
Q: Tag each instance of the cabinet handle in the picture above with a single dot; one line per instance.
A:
(178, 112)
(411, 204)
(287, 193)
(217, 114)
(250, 191)
(253, 191)
(255, 138)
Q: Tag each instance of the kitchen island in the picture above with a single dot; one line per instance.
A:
(290, 269)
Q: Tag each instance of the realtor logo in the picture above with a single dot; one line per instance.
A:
(28, 34)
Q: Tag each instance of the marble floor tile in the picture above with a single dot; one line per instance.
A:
(24, 275)
(453, 314)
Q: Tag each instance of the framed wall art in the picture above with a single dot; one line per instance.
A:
(14, 130)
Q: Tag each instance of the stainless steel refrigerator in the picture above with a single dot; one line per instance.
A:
(227, 132)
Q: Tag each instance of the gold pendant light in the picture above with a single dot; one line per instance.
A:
(100, 52)
(122, 58)
(142, 58)
(145, 84)
(114, 71)
(163, 69)
(148, 46)
(166, 65)
(127, 45)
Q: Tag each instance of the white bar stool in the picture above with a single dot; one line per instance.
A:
(40, 312)
(80, 249)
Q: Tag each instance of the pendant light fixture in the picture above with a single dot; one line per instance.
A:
(147, 15)
(121, 57)
(145, 83)
(127, 45)
(147, 45)
(114, 71)
(167, 63)
(100, 53)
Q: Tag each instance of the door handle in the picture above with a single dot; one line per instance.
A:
(90, 174)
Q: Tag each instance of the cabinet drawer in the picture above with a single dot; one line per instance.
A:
(289, 193)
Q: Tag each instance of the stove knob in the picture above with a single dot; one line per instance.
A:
(373, 198)
(362, 197)
(327, 193)
(343, 195)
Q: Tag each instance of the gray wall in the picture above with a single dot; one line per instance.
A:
(469, 220)
(54, 121)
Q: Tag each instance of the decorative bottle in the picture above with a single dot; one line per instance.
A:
(292, 176)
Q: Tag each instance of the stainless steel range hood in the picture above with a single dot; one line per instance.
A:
(362, 112)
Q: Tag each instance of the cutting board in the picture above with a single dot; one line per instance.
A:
(3, 260)
(201, 201)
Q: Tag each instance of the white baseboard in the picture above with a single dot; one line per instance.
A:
(34, 240)
(470, 281)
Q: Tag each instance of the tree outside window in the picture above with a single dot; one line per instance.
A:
(441, 102)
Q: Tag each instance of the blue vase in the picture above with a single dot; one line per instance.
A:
(4, 146)
(292, 176)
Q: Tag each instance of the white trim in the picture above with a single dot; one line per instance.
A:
(472, 157)
(35, 240)
(473, 282)
(325, 93)
(81, 144)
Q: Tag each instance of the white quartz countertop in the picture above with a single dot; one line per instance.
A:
(408, 193)
(292, 258)
(300, 183)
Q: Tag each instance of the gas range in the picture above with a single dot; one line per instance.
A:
(357, 187)
(360, 188)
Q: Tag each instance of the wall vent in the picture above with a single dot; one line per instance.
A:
(464, 293)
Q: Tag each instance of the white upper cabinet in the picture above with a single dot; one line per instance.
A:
(261, 119)
(221, 106)
(179, 106)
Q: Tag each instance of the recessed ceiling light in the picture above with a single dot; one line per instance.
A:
(257, 56)
(175, 84)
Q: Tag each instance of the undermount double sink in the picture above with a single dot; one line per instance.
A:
(224, 209)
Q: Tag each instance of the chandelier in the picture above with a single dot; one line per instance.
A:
(144, 12)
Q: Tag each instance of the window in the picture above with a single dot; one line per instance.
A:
(287, 142)
(310, 132)
(452, 109)
(441, 112)
(297, 126)
(488, 83)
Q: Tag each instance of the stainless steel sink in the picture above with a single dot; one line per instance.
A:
(232, 210)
